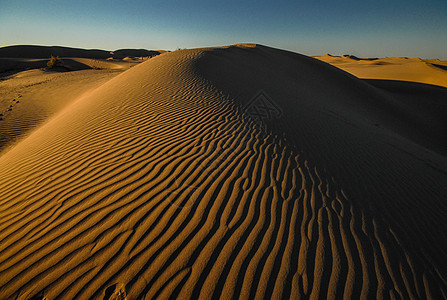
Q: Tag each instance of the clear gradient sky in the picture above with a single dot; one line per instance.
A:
(371, 28)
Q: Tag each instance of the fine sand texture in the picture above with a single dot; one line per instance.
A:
(429, 71)
(236, 172)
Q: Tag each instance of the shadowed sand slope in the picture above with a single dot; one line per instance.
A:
(236, 172)
(29, 51)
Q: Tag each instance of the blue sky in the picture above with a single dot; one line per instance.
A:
(313, 27)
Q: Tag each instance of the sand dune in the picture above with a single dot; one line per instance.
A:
(11, 66)
(122, 53)
(28, 51)
(429, 71)
(234, 172)
(102, 64)
(29, 98)
(43, 92)
(18, 58)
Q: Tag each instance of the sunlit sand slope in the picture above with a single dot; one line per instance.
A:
(429, 71)
(164, 182)
(29, 98)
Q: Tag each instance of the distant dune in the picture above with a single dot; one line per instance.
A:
(233, 172)
(26, 51)
(122, 53)
(18, 58)
(430, 71)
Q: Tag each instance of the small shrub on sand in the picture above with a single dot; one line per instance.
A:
(54, 62)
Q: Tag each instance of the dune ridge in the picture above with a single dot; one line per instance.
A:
(160, 184)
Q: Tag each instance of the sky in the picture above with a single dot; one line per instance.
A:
(368, 28)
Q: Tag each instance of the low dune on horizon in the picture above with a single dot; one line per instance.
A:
(242, 171)
(429, 71)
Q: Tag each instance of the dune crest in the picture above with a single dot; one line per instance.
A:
(163, 182)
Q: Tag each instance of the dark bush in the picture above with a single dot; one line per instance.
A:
(54, 62)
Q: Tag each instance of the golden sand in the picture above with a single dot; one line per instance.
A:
(237, 172)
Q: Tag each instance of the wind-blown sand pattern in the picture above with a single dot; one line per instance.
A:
(159, 184)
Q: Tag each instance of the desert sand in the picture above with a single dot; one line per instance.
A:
(429, 71)
(30, 96)
(232, 172)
